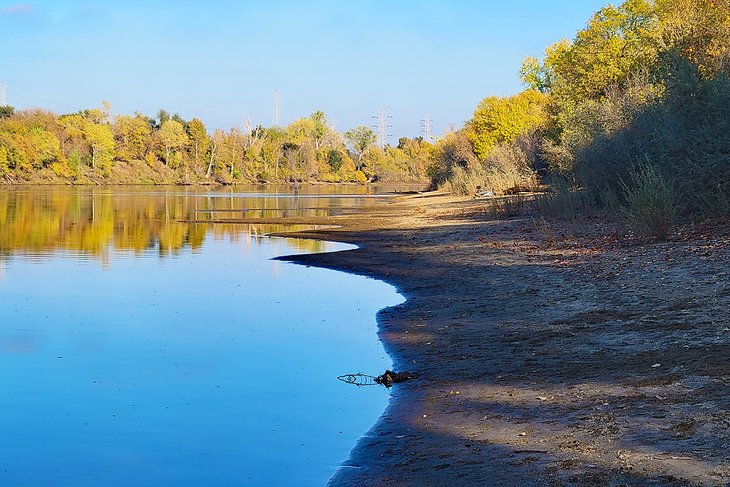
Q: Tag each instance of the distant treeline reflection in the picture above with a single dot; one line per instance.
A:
(93, 221)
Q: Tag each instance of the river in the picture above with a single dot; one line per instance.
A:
(139, 348)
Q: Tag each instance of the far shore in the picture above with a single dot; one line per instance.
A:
(215, 184)
(547, 353)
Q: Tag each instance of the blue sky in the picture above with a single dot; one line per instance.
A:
(222, 60)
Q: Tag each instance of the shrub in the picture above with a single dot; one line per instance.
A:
(565, 203)
(651, 202)
(507, 168)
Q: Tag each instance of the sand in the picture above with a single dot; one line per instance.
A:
(547, 353)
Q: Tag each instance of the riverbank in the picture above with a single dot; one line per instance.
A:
(547, 354)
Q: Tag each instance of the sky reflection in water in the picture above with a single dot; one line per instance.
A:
(138, 350)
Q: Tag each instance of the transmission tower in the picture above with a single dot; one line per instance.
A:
(3, 94)
(277, 105)
(382, 126)
(426, 128)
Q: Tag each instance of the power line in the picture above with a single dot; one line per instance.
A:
(382, 126)
(277, 103)
(42, 100)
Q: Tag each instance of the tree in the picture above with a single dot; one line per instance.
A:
(616, 43)
(101, 142)
(502, 120)
(216, 141)
(199, 139)
(360, 139)
(173, 137)
(698, 30)
(320, 127)
(162, 117)
(132, 136)
(534, 75)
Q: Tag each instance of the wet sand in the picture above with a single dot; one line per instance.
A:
(547, 353)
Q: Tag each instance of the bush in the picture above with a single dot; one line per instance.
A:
(507, 168)
(565, 203)
(682, 133)
(651, 202)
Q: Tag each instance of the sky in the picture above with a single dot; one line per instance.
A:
(222, 60)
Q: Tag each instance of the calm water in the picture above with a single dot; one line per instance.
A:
(139, 350)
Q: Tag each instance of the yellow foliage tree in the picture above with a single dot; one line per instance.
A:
(173, 136)
(499, 120)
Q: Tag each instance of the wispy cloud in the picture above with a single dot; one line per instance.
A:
(17, 9)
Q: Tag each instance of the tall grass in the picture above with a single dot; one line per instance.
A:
(506, 169)
(564, 203)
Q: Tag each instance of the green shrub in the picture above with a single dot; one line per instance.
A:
(651, 202)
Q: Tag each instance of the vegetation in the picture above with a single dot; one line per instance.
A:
(91, 146)
(638, 106)
(632, 115)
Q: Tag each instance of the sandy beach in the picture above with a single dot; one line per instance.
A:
(546, 353)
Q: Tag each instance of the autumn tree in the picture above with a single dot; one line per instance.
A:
(101, 142)
(199, 141)
(502, 120)
(173, 137)
(132, 135)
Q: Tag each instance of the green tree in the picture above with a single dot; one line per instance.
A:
(615, 44)
(360, 139)
(534, 75)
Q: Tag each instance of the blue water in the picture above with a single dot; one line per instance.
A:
(208, 364)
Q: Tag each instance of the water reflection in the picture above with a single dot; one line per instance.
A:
(214, 367)
(93, 221)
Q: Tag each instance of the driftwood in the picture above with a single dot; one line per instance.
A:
(387, 379)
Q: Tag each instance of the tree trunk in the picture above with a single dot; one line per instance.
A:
(210, 162)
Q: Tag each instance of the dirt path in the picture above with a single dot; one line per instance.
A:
(547, 354)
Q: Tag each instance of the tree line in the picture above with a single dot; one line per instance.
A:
(92, 146)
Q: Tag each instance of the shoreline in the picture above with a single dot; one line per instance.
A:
(540, 350)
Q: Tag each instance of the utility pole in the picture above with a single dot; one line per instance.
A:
(277, 104)
(382, 126)
(426, 128)
(3, 94)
